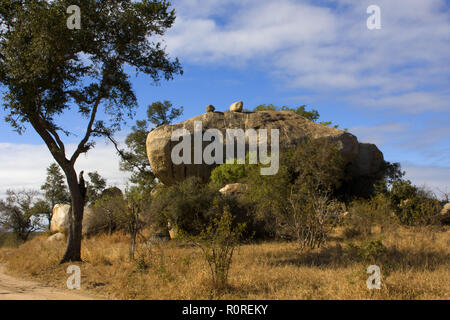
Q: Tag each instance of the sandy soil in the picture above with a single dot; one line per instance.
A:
(17, 289)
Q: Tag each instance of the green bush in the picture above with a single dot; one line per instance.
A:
(228, 173)
(218, 242)
(413, 205)
(364, 214)
(369, 251)
(190, 205)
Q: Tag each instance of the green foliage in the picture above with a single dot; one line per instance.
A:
(186, 205)
(162, 113)
(112, 209)
(55, 190)
(413, 205)
(364, 214)
(95, 186)
(228, 173)
(47, 70)
(55, 187)
(17, 213)
(369, 251)
(297, 202)
(312, 115)
(218, 241)
(135, 159)
(316, 166)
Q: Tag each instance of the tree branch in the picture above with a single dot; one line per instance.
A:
(82, 147)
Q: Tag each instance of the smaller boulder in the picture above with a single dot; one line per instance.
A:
(60, 218)
(445, 214)
(56, 237)
(173, 230)
(446, 209)
(234, 189)
(237, 106)
(210, 108)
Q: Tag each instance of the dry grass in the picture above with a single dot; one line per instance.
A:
(415, 265)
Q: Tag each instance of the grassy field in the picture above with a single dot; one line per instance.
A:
(415, 264)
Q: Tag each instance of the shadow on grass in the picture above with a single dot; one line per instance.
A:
(338, 257)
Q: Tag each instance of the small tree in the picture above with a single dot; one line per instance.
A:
(137, 204)
(55, 189)
(17, 213)
(95, 187)
(218, 242)
(162, 113)
(111, 207)
(135, 159)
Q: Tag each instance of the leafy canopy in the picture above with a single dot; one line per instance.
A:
(312, 115)
(55, 188)
(48, 69)
(135, 159)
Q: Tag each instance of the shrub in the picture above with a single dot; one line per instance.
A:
(228, 173)
(185, 205)
(369, 251)
(364, 214)
(298, 202)
(190, 205)
(413, 205)
(218, 242)
(312, 219)
(312, 210)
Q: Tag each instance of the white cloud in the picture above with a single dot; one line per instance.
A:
(24, 166)
(435, 178)
(379, 134)
(315, 47)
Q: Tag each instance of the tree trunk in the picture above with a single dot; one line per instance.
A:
(73, 250)
(132, 243)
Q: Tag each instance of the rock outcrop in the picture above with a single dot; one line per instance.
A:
(92, 221)
(364, 159)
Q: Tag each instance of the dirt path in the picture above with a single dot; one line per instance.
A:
(17, 289)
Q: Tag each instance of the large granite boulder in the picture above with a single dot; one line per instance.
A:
(364, 159)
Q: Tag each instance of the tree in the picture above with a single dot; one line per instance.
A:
(312, 115)
(112, 208)
(162, 113)
(135, 159)
(55, 189)
(48, 69)
(17, 213)
(95, 186)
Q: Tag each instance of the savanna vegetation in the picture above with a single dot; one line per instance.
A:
(308, 232)
(294, 235)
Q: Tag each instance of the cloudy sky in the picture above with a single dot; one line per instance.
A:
(389, 86)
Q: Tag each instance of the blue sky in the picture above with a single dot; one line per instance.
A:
(390, 86)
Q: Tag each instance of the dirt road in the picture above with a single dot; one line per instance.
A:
(17, 289)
